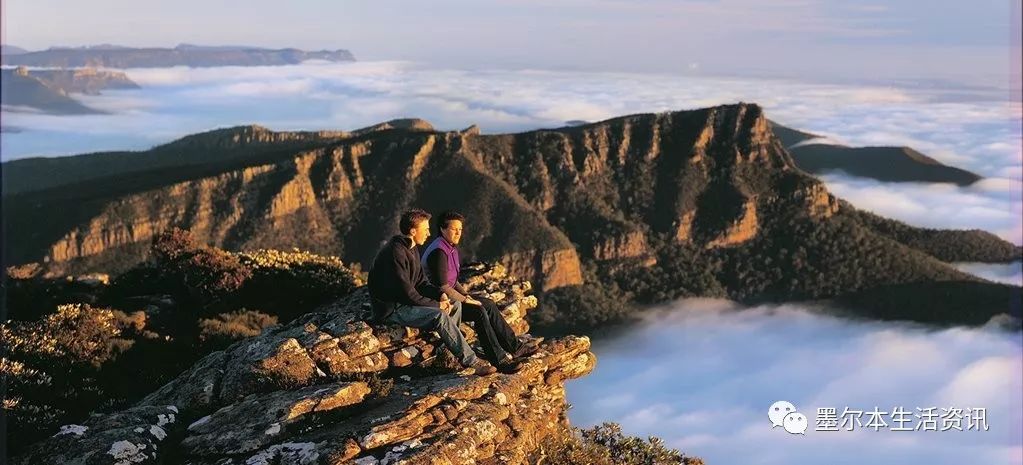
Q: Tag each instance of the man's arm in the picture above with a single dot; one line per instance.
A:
(437, 263)
(403, 272)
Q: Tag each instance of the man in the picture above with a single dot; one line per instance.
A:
(442, 264)
(401, 294)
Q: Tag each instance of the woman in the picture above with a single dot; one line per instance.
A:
(441, 262)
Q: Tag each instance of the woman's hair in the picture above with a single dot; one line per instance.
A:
(448, 216)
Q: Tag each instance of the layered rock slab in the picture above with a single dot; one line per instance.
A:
(331, 388)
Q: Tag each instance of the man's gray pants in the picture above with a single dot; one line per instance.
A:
(433, 319)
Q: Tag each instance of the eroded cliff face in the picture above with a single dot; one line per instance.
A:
(616, 247)
(88, 81)
(540, 201)
(299, 394)
(698, 176)
(740, 229)
(558, 267)
(250, 136)
(341, 199)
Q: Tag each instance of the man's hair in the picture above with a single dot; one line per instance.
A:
(448, 216)
(412, 218)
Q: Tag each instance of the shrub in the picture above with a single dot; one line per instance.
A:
(212, 274)
(580, 308)
(76, 334)
(219, 332)
(50, 367)
(207, 275)
(173, 244)
(143, 279)
(29, 297)
(292, 283)
(607, 445)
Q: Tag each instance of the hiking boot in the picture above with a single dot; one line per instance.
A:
(530, 339)
(481, 368)
(509, 366)
(527, 347)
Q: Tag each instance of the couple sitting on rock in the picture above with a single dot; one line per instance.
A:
(403, 294)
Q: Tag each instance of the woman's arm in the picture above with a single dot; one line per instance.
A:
(437, 265)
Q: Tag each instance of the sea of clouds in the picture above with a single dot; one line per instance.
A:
(701, 374)
(1007, 273)
(976, 128)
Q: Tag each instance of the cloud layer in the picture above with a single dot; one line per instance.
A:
(701, 375)
(1008, 273)
(972, 127)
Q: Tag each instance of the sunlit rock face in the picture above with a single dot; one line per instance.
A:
(700, 175)
(331, 388)
(703, 202)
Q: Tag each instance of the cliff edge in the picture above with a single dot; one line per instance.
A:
(330, 388)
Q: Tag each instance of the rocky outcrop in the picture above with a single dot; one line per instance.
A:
(684, 227)
(556, 267)
(88, 81)
(408, 124)
(134, 435)
(819, 203)
(665, 171)
(617, 247)
(329, 388)
(740, 230)
(250, 136)
(23, 89)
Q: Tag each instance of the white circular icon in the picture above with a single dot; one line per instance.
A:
(778, 411)
(795, 423)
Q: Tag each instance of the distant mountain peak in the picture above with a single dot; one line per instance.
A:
(7, 49)
(247, 135)
(820, 155)
(919, 157)
(120, 57)
(409, 124)
(216, 48)
(90, 47)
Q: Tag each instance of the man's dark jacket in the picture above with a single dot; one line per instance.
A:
(398, 278)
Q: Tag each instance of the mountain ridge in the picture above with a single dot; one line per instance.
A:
(89, 81)
(651, 206)
(325, 386)
(235, 143)
(182, 55)
(22, 90)
(815, 154)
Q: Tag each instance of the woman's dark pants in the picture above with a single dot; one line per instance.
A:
(497, 338)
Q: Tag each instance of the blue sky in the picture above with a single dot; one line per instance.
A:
(943, 39)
